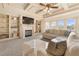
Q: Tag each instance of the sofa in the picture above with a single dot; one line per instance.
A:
(72, 45)
(48, 35)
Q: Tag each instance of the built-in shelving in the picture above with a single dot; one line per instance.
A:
(9, 26)
(13, 27)
(4, 26)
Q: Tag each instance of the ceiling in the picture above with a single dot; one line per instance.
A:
(32, 8)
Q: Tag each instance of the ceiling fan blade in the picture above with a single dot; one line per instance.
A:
(54, 7)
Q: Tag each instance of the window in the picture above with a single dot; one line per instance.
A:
(60, 23)
(47, 25)
(50, 25)
(71, 24)
(53, 25)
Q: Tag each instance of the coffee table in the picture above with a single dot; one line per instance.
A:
(57, 46)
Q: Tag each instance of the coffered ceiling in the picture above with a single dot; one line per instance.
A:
(33, 8)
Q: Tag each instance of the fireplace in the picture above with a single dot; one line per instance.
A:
(28, 33)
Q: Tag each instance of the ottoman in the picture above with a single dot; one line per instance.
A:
(57, 47)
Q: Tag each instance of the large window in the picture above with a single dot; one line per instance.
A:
(50, 25)
(60, 24)
(71, 24)
(53, 25)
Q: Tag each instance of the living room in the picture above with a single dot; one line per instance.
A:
(39, 29)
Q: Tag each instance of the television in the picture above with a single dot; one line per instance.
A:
(28, 20)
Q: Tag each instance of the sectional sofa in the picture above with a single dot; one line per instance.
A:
(48, 35)
(72, 40)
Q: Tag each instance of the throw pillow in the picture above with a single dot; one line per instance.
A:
(66, 34)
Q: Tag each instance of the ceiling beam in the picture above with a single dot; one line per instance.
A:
(2, 5)
(26, 6)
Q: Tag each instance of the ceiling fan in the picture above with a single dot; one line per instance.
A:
(48, 6)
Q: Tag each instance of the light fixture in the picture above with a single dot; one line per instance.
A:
(14, 18)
